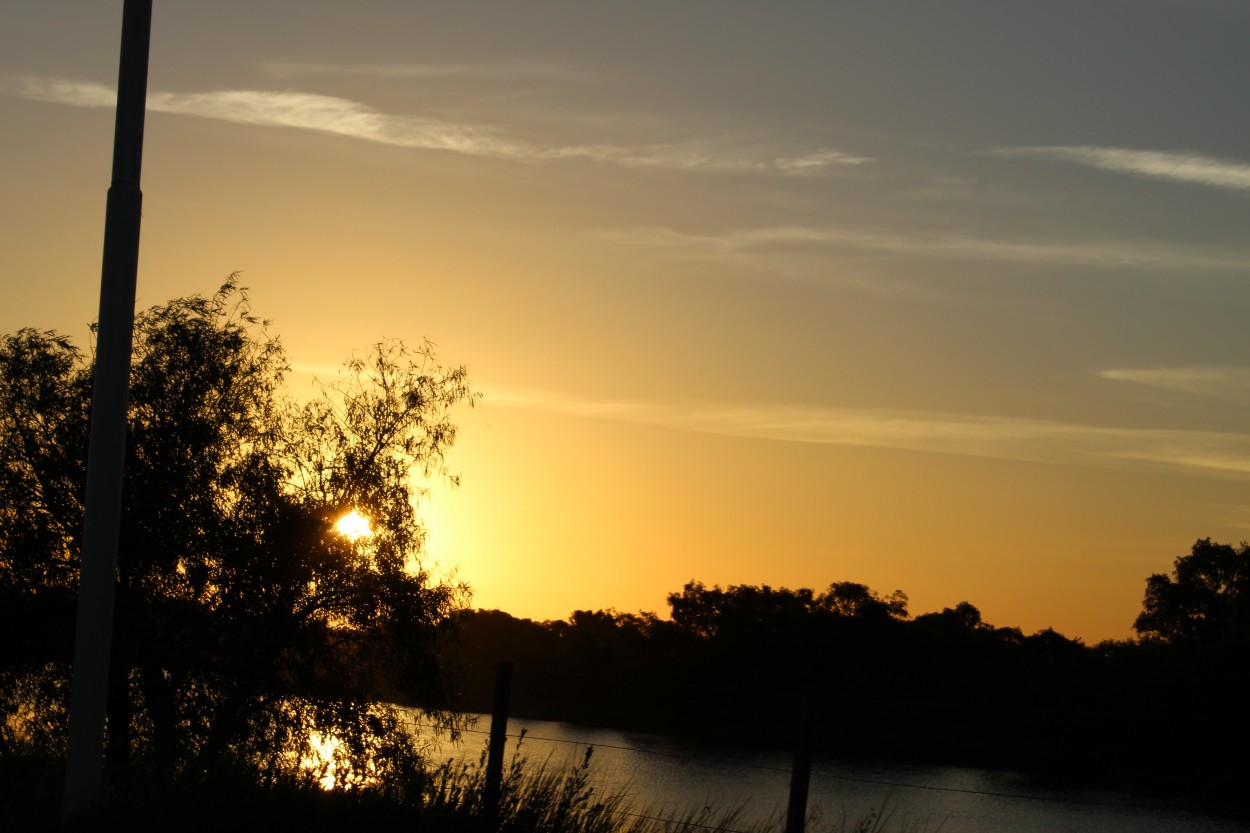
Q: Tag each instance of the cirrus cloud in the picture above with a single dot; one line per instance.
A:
(1219, 381)
(1004, 438)
(353, 119)
(1191, 168)
(737, 243)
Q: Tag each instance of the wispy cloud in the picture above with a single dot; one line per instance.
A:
(506, 71)
(1190, 168)
(1221, 381)
(344, 117)
(64, 91)
(682, 157)
(702, 156)
(305, 111)
(979, 436)
(1135, 255)
(816, 162)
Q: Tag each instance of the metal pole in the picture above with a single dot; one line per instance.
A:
(107, 449)
(498, 737)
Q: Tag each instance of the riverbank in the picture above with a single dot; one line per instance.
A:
(627, 783)
(670, 776)
(937, 689)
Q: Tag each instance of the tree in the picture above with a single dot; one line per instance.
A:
(248, 628)
(740, 610)
(1205, 600)
(848, 598)
(963, 617)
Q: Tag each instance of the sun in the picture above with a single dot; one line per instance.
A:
(353, 526)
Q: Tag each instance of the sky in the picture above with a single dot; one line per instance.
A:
(942, 297)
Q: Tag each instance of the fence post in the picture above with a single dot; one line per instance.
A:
(498, 738)
(801, 775)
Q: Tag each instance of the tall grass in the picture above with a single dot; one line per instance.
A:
(536, 797)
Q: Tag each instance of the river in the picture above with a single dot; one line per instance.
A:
(663, 776)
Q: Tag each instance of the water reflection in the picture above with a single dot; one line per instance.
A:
(665, 776)
(320, 760)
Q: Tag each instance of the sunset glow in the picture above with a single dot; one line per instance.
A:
(754, 293)
(353, 526)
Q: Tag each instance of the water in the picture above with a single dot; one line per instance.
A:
(667, 775)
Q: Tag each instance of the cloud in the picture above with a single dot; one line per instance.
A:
(702, 157)
(62, 91)
(1221, 381)
(306, 111)
(817, 162)
(504, 71)
(1190, 168)
(344, 117)
(742, 242)
(681, 157)
(1037, 441)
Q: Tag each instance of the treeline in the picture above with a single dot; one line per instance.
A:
(727, 665)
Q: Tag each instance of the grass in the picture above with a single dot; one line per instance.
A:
(446, 798)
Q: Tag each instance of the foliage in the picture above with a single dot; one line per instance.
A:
(946, 687)
(246, 626)
(713, 611)
(535, 797)
(1206, 599)
(43, 415)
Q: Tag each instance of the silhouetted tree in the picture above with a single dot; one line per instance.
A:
(1206, 599)
(739, 610)
(963, 617)
(1193, 661)
(848, 598)
(246, 623)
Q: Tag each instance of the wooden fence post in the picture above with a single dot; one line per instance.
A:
(801, 775)
(498, 738)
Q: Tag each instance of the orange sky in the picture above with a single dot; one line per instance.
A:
(948, 302)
